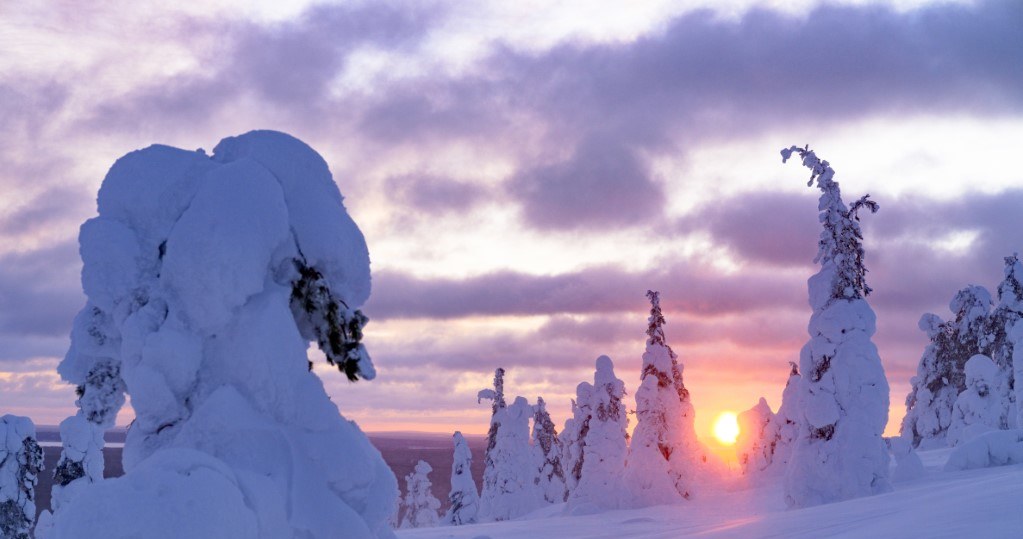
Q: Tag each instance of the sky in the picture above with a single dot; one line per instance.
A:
(525, 171)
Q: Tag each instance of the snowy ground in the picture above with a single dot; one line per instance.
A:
(985, 503)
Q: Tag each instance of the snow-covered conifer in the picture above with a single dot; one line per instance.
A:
(419, 505)
(843, 393)
(206, 277)
(979, 408)
(497, 403)
(574, 436)
(21, 459)
(785, 424)
(509, 489)
(604, 443)
(941, 374)
(1001, 337)
(908, 465)
(464, 498)
(755, 444)
(664, 449)
(547, 453)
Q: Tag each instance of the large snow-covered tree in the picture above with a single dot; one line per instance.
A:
(206, 277)
(941, 373)
(550, 476)
(843, 393)
(785, 423)
(419, 506)
(1002, 336)
(604, 443)
(664, 449)
(509, 489)
(21, 460)
(497, 403)
(464, 498)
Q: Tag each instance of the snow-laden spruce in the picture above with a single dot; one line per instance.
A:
(1004, 339)
(21, 460)
(497, 403)
(550, 476)
(979, 408)
(843, 393)
(785, 428)
(509, 488)
(941, 374)
(574, 434)
(754, 447)
(419, 506)
(206, 277)
(603, 444)
(664, 449)
(908, 465)
(464, 498)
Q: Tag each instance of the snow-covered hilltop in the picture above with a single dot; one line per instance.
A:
(206, 278)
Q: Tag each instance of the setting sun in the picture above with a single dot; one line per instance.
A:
(726, 428)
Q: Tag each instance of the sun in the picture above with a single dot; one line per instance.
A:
(726, 428)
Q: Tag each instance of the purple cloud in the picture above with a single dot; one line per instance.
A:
(435, 195)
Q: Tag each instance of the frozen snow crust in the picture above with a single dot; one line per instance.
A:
(206, 279)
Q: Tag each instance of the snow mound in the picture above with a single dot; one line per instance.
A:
(995, 448)
(206, 279)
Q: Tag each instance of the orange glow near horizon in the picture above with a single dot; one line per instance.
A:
(726, 428)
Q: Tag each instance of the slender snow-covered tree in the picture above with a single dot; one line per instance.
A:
(419, 506)
(941, 374)
(206, 277)
(21, 460)
(785, 423)
(756, 442)
(497, 403)
(574, 436)
(509, 490)
(604, 444)
(1001, 339)
(664, 449)
(843, 393)
(464, 498)
(550, 477)
(979, 408)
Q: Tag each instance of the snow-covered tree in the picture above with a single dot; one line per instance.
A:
(908, 465)
(464, 498)
(979, 408)
(843, 393)
(547, 451)
(206, 277)
(604, 443)
(664, 449)
(419, 506)
(574, 435)
(784, 426)
(755, 444)
(497, 403)
(21, 460)
(941, 374)
(1000, 337)
(509, 489)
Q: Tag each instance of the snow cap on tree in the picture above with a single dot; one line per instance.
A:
(206, 277)
(21, 460)
(419, 505)
(603, 444)
(464, 498)
(843, 393)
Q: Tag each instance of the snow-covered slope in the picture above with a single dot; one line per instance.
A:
(984, 503)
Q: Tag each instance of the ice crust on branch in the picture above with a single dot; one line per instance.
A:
(843, 393)
(206, 278)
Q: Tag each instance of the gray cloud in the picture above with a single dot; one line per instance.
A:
(39, 295)
(435, 195)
